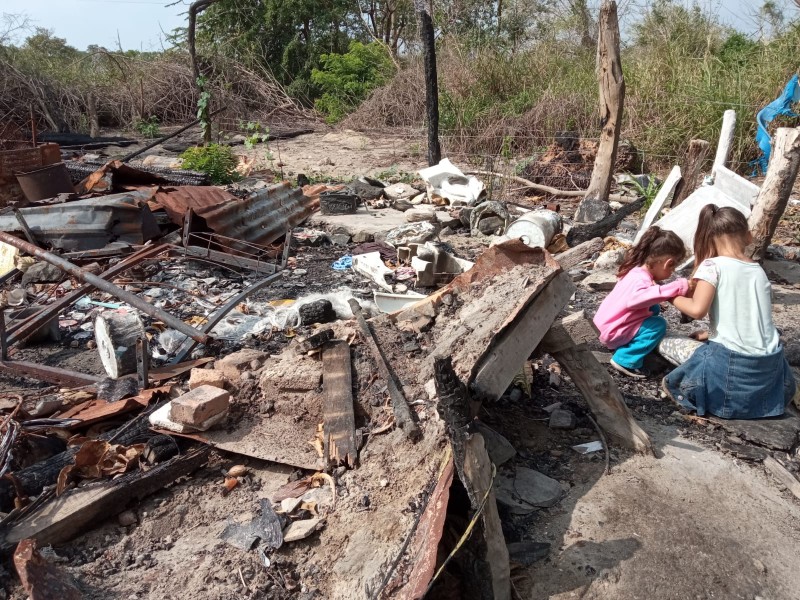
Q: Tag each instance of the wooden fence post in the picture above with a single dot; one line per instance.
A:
(775, 191)
(594, 206)
(692, 164)
(427, 36)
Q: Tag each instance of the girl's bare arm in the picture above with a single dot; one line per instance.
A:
(697, 306)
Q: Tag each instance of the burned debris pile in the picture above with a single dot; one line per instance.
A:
(153, 324)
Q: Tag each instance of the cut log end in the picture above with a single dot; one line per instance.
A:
(116, 336)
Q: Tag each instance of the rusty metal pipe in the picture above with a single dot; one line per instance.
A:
(106, 286)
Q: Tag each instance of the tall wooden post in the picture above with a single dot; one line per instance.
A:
(594, 206)
(195, 9)
(695, 156)
(428, 38)
(775, 191)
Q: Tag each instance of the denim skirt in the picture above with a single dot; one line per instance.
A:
(729, 385)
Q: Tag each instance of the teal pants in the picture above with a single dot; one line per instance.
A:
(631, 355)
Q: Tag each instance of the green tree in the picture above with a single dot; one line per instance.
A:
(345, 80)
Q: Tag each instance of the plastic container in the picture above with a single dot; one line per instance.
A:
(536, 228)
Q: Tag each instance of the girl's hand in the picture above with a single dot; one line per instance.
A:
(700, 336)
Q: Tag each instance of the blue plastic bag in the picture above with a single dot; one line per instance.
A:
(779, 106)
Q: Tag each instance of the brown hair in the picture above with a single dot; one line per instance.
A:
(655, 243)
(715, 222)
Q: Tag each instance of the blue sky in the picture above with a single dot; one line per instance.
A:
(139, 24)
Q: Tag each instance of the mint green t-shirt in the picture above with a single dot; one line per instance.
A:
(741, 313)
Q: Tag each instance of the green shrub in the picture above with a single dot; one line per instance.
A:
(218, 162)
(148, 127)
(345, 80)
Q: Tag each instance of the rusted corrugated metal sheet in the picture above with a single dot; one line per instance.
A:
(89, 224)
(261, 218)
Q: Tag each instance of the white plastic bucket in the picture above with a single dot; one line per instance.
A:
(536, 228)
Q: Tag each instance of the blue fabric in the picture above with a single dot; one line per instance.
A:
(631, 355)
(730, 385)
(779, 106)
(344, 263)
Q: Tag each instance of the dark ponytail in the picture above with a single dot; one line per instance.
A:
(655, 243)
(713, 223)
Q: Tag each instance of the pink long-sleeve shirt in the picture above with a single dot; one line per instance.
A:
(627, 306)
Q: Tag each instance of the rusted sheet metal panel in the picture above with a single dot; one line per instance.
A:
(261, 218)
(422, 553)
(89, 224)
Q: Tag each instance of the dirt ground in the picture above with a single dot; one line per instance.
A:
(694, 523)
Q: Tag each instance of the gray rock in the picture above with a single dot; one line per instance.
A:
(42, 272)
(592, 210)
(413, 233)
(610, 259)
(562, 419)
(783, 271)
(340, 239)
(127, 518)
(600, 281)
(499, 448)
(491, 225)
(527, 491)
(399, 191)
(299, 530)
(551, 407)
(421, 213)
(359, 237)
(527, 553)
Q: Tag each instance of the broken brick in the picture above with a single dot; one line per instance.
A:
(199, 405)
(234, 364)
(198, 377)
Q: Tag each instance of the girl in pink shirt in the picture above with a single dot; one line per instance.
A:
(628, 318)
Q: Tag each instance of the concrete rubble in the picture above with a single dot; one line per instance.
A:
(356, 356)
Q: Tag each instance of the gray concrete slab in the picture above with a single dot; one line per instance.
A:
(362, 226)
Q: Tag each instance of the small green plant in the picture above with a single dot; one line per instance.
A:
(648, 192)
(218, 162)
(506, 151)
(149, 127)
(256, 133)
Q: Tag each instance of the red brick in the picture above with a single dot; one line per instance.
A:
(199, 405)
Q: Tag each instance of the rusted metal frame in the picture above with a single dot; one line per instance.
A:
(101, 284)
(249, 260)
(209, 237)
(220, 314)
(263, 268)
(24, 329)
(45, 373)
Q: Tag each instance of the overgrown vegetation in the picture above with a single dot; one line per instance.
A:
(512, 73)
(216, 161)
(346, 80)
(682, 70)
(149, 127)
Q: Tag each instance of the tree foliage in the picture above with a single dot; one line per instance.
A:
(345, 80)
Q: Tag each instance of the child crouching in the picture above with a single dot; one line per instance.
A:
(628, 318)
